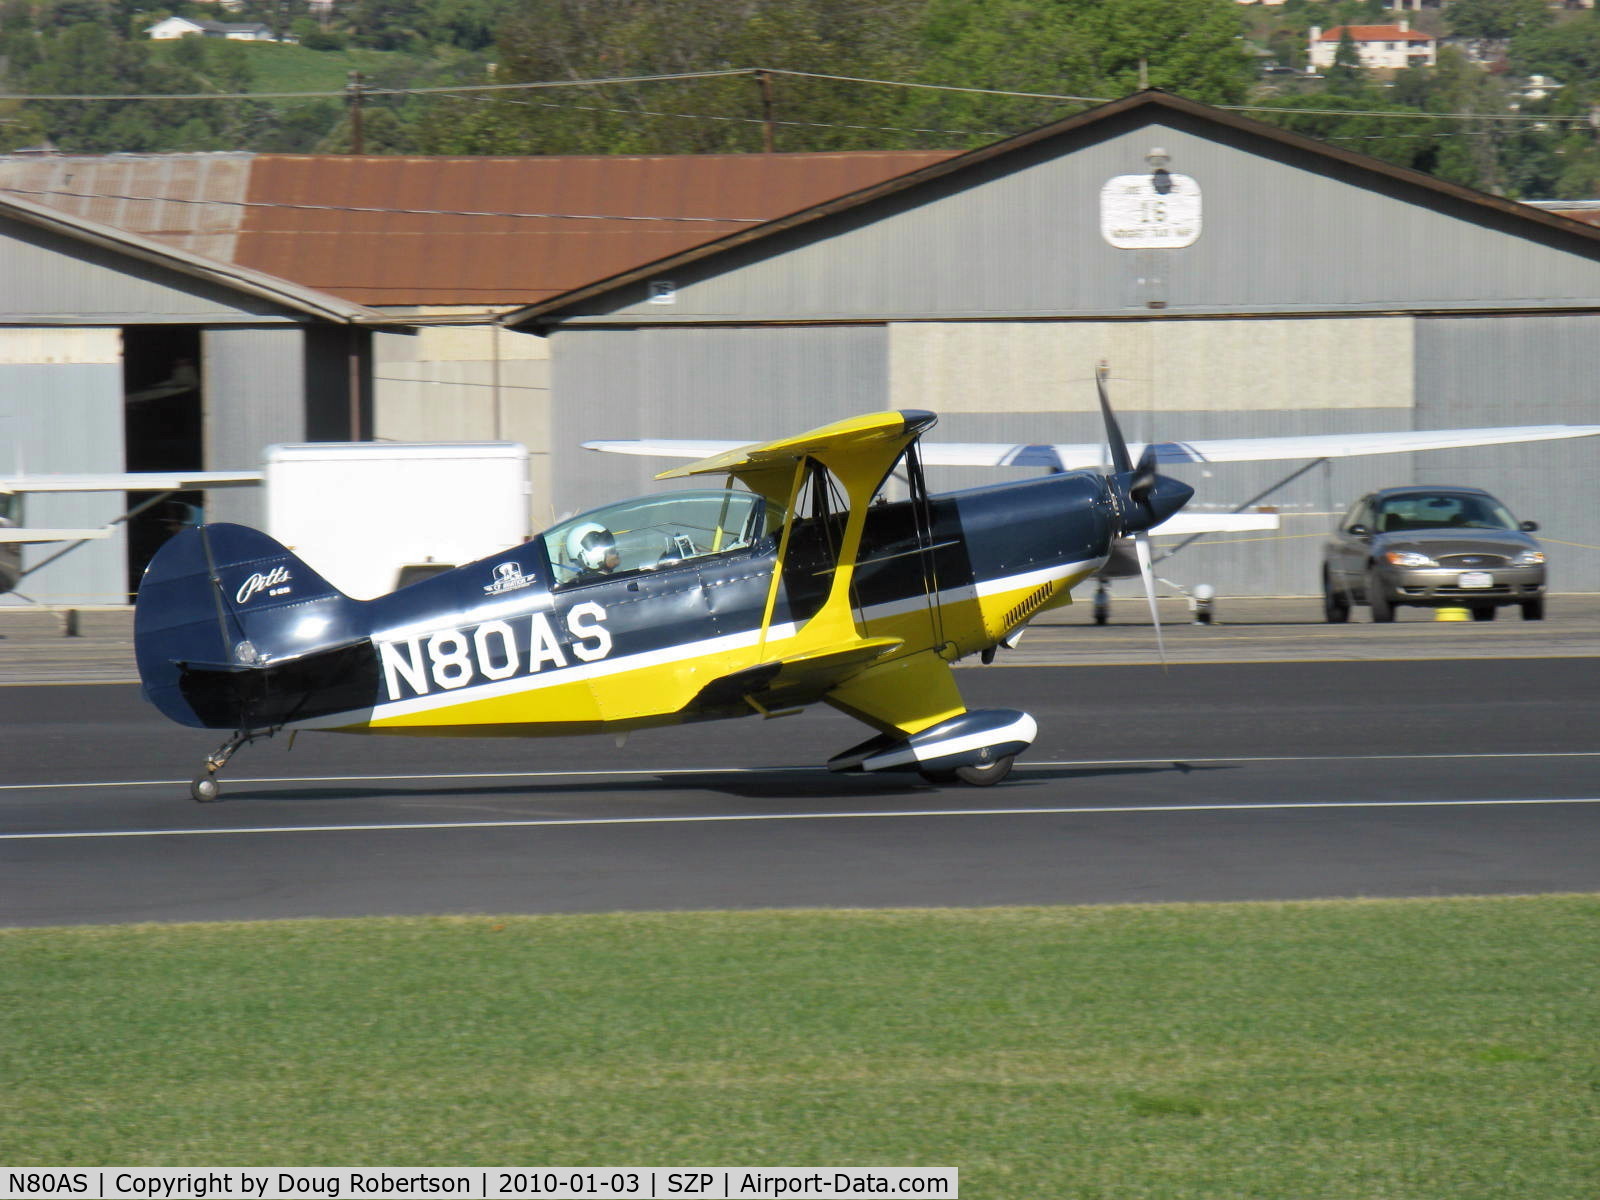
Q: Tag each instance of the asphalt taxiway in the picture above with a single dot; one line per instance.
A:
(1209, 781)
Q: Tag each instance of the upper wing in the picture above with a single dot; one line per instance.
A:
(1069, 456)
(875, 436)
(130, 481)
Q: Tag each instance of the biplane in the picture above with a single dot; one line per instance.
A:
(793, 582)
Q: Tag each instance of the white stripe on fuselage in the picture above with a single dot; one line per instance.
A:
(681, 652)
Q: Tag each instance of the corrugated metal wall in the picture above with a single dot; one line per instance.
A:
(51, 279)
(743, 384)
(1523, 370)
(467, 384)
(255, 395)
(61, 411)
(1020, 235)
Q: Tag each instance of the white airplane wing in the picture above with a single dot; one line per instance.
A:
(130, 481)
(11, 537)
(1069, 456)
(1184, 523)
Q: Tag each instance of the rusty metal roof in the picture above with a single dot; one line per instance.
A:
(191, 202)
(401, 231)
(414, 232)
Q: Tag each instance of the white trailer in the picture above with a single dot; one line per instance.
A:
(361, 513)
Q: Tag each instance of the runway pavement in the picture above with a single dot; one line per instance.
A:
(1223, 781)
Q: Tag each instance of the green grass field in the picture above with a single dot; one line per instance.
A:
(1441, 1048)
(289, 68)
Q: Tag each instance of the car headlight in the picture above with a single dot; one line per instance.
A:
(1529, 558)
(1407, 558)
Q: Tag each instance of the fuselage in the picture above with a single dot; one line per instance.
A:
(505, 646)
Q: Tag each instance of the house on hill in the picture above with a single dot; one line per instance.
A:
(1380, 47)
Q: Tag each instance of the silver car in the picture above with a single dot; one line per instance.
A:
(1454, 547)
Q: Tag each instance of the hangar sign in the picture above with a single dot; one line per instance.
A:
(1155, 211)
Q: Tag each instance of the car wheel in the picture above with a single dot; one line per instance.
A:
(1533, 610)
(1378, 599)
(1485, 614)
(1335, 604)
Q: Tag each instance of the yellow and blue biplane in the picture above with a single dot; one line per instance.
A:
(794, 582)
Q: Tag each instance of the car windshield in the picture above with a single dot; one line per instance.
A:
(654, 532)
(1442, 510)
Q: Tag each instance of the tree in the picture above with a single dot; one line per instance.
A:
(1496, 20)
(1346, 75)
(1570, 53)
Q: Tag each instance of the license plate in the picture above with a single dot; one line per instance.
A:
(1476, 579)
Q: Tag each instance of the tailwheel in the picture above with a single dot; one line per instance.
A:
(204, 788)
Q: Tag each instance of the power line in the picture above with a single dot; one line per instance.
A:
(646, 112)
(751, 71)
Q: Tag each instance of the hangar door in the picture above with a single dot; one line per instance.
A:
(61, 411)
(1181, 380)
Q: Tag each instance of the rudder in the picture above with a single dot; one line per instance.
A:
(233, 631)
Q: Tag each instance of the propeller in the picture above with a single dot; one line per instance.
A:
(1142, 498)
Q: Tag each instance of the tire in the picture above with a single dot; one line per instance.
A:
(1533, 610)
(1335, 605)
(1382, 607)
(984, 776)
(204, 789)
(1485, 614)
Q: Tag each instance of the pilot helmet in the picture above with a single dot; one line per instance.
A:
(588, 545)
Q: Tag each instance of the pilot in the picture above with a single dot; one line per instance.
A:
(594, 550)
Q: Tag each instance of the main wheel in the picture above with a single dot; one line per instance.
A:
(1378, 600)
(1533, 610)
(1335, 604)
(204, 789)
(1484, 614)
(985, 776)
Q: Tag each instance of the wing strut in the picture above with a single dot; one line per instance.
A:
(801, 466)
(922, 510)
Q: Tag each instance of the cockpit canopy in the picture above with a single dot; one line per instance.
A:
(658, 531)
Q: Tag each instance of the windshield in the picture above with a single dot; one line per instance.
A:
(1443, 510)
(654, 532)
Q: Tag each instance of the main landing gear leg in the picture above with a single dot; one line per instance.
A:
(204, 787)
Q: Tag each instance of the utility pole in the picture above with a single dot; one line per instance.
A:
(353, 92)
(764, 80)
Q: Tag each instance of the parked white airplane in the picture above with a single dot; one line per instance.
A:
(14, 534)
(1070, 456)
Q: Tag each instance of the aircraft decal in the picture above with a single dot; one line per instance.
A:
(508, 577)
(456, 657)
(271, 583)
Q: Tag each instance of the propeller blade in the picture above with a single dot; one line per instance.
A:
(1144, 477)
(1141, 545)
(1121, 463)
